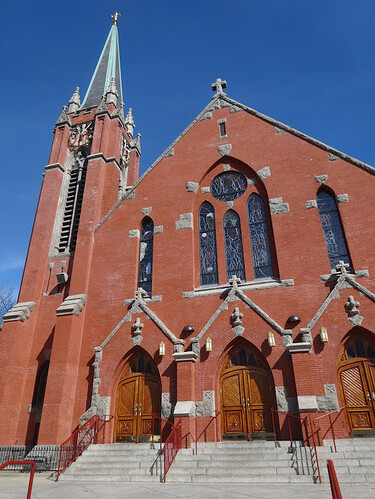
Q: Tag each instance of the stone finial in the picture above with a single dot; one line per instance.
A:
(218, 86)
(63, 118)
(111, 93)
(137, 327)
(236, 317)
(75, 102)
(129, 122)
(341, 267)
(102, 107)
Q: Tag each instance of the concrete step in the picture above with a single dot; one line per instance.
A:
(242, 479)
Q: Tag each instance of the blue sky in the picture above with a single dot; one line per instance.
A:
(307, 64)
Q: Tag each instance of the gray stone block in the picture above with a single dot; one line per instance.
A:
(185, 222)
(192, 187)
(312, 203)
(264, 172)
(224, 149)
(134, 233)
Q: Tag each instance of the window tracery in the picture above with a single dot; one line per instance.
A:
(233, 246)
(146, 248)
(332, 229)
(228, 186)
(207, 244)
(260, 246)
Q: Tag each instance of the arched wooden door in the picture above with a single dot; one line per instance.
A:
(246, 394)
(138, 396)
(357, 382)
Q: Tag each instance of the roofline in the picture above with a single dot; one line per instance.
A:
(210, 107)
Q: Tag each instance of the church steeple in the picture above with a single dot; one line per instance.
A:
(107, 68)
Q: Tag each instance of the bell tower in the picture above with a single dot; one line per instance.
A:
(93, 161)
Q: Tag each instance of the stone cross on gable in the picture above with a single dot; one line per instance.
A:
(219, 85)
(141, 293)
(234, 281)
(341, 267)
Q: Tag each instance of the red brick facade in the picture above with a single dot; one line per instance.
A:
(286, 169)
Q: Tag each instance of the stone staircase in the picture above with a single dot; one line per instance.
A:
(126, 462)
(240, 462)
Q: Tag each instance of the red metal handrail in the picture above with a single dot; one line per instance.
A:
(334, 483)
(156, 416)
(172, 446)
(31, 479)
(332, 423)
(213, 418)
(305, 421)
(79, 440)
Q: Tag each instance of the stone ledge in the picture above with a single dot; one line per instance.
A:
(20, 312)
(247, 286)
(72, 305)
(186, 408)
(185, 356)
(301, 347)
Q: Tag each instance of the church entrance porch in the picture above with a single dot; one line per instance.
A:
(138, 397)
(246, 395)
(357, 382)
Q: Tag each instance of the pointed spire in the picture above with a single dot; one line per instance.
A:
(74, 103)
(129, 122)
(63, 118)
(108, 67)
(111, 93)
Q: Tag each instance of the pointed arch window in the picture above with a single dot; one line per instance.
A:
(260, 246)
(146, 248)
(332, 229)
(233, 246)
(207, 245)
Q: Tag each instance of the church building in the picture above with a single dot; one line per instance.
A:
(235, 278)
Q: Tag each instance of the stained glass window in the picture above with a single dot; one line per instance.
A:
(332, 229)
(228, 186)
(233, 246)
(207, 245)
(145, 256)
(260, 246)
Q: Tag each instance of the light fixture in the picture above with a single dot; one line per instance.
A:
(188, 329)
(208, 344)
(162, 349)
(271, 339)
(323, 335)
(62, 277)
(293, 318)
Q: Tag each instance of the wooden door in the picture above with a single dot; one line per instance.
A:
(138, 396)
(357, 381)
(246, 401)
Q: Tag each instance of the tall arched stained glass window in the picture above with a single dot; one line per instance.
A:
(145, 255)
(332, 229)
(260, 246)
(207, 245)
(233, 246)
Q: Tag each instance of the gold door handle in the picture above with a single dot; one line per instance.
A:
(248, 405)
(244, 405)
(369, 399)
(136, 409)
(140, 409)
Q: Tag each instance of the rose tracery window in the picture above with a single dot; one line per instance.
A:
(228, 186)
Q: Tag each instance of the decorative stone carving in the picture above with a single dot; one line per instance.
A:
(351, 307)
(81, 135)
(72, 305)
(125, 152)
(341, 267)
(137, 331)
(236, 322)
(20, 312)
(146, 211)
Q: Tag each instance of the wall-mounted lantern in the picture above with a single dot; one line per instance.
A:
(323, 335)
(271, 339)
(208, 344)
(162, 349)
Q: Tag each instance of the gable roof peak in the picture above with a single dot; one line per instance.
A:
(218, 85)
